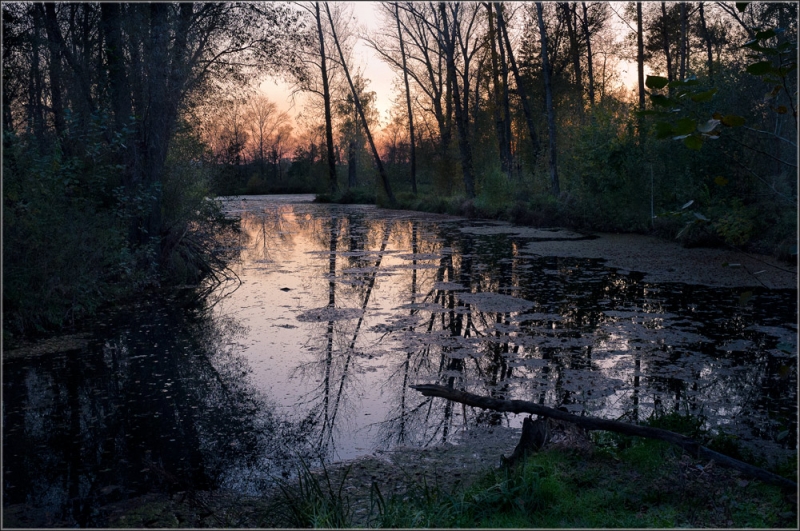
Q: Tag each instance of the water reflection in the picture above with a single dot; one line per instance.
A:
(339, 310)
(392, 298)
(162, 403)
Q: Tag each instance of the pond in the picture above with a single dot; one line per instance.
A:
(336, 311)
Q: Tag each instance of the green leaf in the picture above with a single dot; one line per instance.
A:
(685, 126)
(720, 181)
(760, 68)
(741, 6)
(732, 120)
(704, 96)
(693, 142)
(656, 82)
(688, 204)
(661, 101)
(680, 83)
(700, 216)
(781, 109)
(663, 130)
(708, 126)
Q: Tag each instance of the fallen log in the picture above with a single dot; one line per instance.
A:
(691, 446)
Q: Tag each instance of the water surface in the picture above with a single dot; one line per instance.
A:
(338, 309)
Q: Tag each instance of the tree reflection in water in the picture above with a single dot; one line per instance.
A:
(471, 309)
(340, 310)
(163, 403)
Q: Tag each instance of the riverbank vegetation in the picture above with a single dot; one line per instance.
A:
(612, 481)
(120, 120)
(106, 182)
(529, 114)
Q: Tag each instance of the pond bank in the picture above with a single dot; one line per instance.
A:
(646, 484)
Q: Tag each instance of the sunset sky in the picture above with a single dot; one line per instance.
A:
(382, 77)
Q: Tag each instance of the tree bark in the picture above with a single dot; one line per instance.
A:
(640, 54)
(707, 38)
(665, 40)
(326, 96)
(523, 93)
(589, 58)
(569, 15)
(448, 44)
(684, 37)
(592, 423)
(548, 91)
(381, 171)
(500, 128)
(506, 108)
(117, 80)
(57, 107)
(412, 141)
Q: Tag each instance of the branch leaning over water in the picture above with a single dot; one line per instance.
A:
(592, 423)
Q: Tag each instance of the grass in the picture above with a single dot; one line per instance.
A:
(621, 482)
(649, 484)
(616, 482)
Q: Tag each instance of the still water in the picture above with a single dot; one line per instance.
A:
(336, 311)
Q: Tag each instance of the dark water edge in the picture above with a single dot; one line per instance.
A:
(166, 397)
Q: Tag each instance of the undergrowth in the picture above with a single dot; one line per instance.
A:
(622, 482)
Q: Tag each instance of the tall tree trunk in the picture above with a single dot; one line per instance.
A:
(707, 38)
(589, 59)
(506, 100)
(463, 140)
(36, 84)
(381, 171)
(326, 96)
(118, 81)
(684, 48)
(640, 54)
(548, 91)
(569, 15)
(412, 140)
(665, 40)
(156, 126)
(352, 179)
(500, 128)
(51, 24)
(523, 93)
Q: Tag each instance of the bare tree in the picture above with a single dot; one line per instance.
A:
(521, 90)
(447, 42)
(548, 89)
(264, 121)
(326, 95)
(413, 172)
(589, 59)
(384, 178)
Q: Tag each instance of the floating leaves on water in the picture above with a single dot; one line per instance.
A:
(538, 317)
(423, 306)
(327, 313)
(448, 286)
(420, 256)
(523, 232)
(496, 302)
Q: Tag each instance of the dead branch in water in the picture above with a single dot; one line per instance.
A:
(691, 446)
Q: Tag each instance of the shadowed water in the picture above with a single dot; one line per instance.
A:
(339, 310)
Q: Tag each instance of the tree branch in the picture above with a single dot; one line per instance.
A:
(591, 423)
